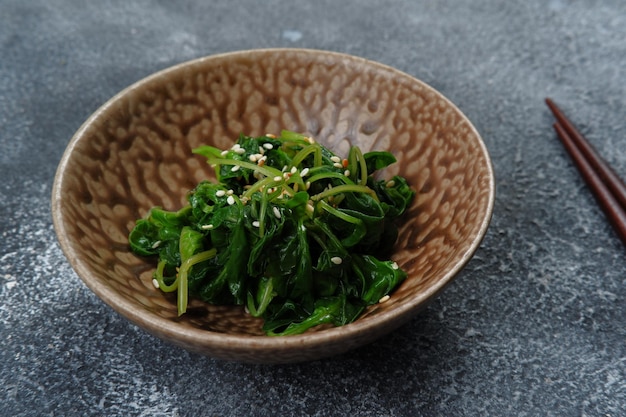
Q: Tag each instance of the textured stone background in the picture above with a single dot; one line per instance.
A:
(535, 325)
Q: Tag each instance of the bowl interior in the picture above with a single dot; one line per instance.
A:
(135, 153)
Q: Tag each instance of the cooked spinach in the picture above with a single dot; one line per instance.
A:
(296, 234)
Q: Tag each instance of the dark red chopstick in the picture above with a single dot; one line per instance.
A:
(607, 187)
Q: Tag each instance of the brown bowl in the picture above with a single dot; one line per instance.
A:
(135, 153)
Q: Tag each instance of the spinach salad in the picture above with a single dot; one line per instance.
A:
(291, 231)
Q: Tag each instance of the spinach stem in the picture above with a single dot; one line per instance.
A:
(347, 188)
(158, 275)
(183, 272)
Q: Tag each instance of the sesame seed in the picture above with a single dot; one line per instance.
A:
(240, 151)
(256, 223)
(268, 146)
(155, 283)
(310, 140)
(230, 200)
(307, 185)
(335, 159)
(336, 260)
(270, 135)
(156, 244)
(230, 192)
(345, 163)
(261, 150)
(276, 212)
(206, 227)
(296, 187)
(220, 193)
(338, 165)
(385, 298)
(346, 172)
(394, 266)
(304, 172)
(235, 168)
(286, 175)
(278, 178)
(293, 170)
(390, 183)
(253, 158)
(224, 153)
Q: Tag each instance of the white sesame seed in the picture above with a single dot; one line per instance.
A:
(224, 153)
(304, 172)
(335, 159)
(220, 193)
(394, 266)
(253, 158)
(310, 140)
(235, 146)
(270, 135)
(385, 298)
(346, 172)
(338, 165)
(240, 151)
(268, 146)
(230, 192)
(206, 227)
(230, 200)
(286, 175)
(336, 260)
(156, 244)
(155, 283)
(293, 170)
(256, 223)
(390, 183)
(278, 178)
(276, 212)
(307, 185)
(261, 150)
(235, 168)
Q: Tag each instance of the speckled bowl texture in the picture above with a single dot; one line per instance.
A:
(135, 153)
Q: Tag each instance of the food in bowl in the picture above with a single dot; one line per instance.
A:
(298, 235)
(134, 152)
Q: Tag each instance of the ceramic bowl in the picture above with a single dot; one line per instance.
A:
(135, 153)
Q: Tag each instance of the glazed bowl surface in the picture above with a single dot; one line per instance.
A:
(135, 152)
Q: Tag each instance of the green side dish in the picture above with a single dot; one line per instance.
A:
(291, 231)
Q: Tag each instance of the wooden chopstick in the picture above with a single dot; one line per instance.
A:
(606, 185)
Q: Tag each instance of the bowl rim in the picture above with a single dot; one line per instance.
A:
(193, 336)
